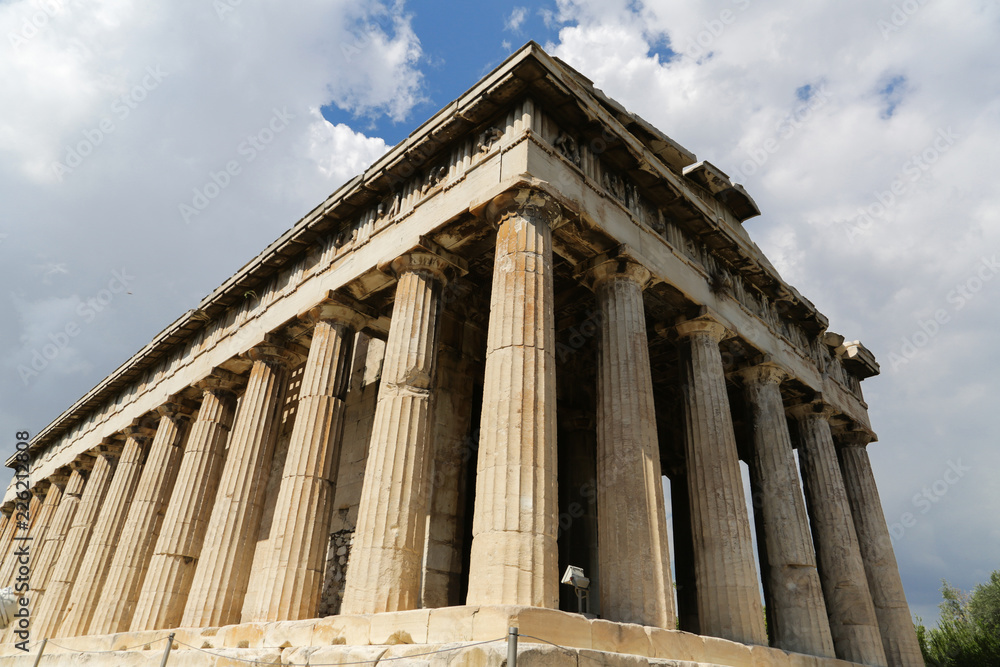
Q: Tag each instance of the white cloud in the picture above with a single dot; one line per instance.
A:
(145, 105)
(340, 152)
(516, 19)
(730, 95)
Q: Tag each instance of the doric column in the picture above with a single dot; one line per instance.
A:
(383, 573)
(796, 609)
(176, 555)
(300, 532)
(635, 580)
(64, 573)
(53, 496)
(223, 573)
(5, 525)
(107, 530)
(728, 596)
(459, 359)
(25, 518)
(853, 623)
(7, 537)
(142, 526)
(55, 536)
(514, 552)
(899, 640)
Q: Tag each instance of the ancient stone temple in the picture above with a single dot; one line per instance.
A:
(478, 363)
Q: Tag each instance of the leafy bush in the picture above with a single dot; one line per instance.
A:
(968, 634)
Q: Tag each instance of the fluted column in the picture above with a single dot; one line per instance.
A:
(516, 520)
(52, 489)
(175, 558)
(7, 538)
(383, 573)
(53, 496)
(39, 531)
(25, 519)
(221, 579)
(64, 573)
(853, 623)
(5, 526)
(899, 640)
(728, 597)
(142, 526)
(55, 536)
(107, 530)
(300, 532)
(796, 607)
(635, 581)
(441, 584)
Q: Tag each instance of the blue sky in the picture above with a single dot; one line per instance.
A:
(474, 38)
(865, 133)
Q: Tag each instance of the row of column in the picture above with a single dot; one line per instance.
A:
(163, 532)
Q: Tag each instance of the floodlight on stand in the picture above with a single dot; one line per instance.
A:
(581, 586)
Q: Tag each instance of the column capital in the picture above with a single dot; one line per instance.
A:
(41, 487)
(83, 464)
(139, 432)
(420, 261)
(853, 438)
(276, 351)
(616, 263)
(429, 257)
(110, 447)
(706, 323)
(815, 409)
(339, 308)
(176, 408)
(220, 380)
(61, 476)
(537, 204)
(762, 373)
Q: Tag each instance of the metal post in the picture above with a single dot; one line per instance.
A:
(511, 647)
(166, 651)
(41, 650)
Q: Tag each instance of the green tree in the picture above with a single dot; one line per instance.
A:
(984, 603)
(968, 634)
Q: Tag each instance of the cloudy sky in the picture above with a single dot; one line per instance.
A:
(867, 131)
